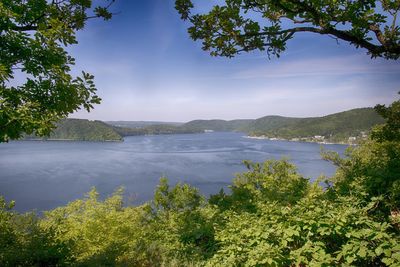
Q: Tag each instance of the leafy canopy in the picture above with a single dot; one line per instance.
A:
(246, 25)
(372, 169)
(36, 84)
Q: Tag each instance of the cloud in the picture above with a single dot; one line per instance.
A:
(332, 66)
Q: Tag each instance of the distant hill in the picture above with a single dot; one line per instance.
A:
(82, 130)
(217, 125)
(141, 124)
(154, 130)
(334, 127)
(267, 123)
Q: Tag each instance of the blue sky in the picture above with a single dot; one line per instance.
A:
(147, 68)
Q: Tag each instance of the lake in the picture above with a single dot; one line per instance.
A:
(42, 175)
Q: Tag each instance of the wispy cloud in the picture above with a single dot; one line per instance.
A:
(332, 66)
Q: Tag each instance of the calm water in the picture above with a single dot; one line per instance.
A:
(44, 175)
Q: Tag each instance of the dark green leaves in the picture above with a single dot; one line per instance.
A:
(391, 130)
(183, 7)
(33, 37)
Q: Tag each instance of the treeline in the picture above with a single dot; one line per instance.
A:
(272, 216)
(154, 130)
(218, 125)
(140, 124)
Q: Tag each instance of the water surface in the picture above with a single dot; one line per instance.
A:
(43, 175)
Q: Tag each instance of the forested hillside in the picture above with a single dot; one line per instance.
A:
(82, 130)
(154, 130)
(217, 125)
(140, 124)
(334, 127)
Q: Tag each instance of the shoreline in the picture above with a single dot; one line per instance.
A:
(245, 136)
(68, 140)
(290, 140)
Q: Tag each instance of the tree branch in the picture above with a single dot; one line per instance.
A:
(378, 34)
(32, 26)
(344, 35)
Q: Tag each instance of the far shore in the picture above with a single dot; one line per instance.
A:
(291, 140)
(70, 140)
(248, 136)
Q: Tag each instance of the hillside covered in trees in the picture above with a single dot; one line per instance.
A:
(154, 130)
(218, 125)
(82, 130)
(335, 127)
(140, 124)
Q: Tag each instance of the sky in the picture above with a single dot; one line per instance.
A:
(147, 68)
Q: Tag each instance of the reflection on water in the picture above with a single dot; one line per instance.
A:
(44, 175)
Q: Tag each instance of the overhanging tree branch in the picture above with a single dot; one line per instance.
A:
(50, 91)
(352, 21)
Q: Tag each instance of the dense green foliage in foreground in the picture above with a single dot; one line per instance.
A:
(272, 217)
(82, 130)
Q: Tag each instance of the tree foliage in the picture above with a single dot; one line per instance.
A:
(390, 131)
(237, 26)
(373, 169)
(36, 84)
